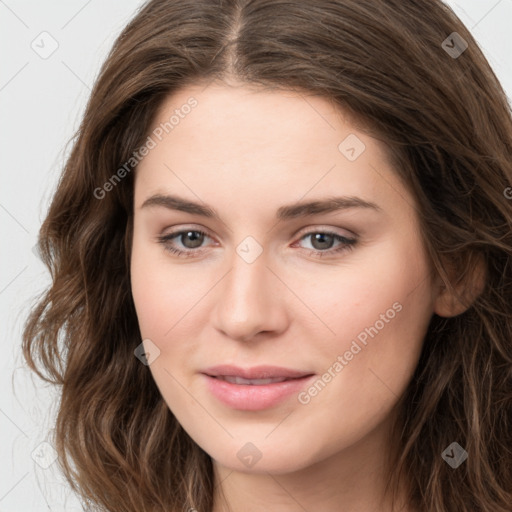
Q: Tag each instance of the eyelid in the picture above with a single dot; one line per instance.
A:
(343, 232)
(183, 228)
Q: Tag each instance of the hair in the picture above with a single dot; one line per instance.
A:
(448, 127)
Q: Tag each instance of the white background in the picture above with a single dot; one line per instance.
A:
(41, 102)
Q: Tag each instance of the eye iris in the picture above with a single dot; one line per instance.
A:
(194, 236)
(324, 239)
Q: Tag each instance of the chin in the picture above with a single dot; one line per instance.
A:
(262, 457)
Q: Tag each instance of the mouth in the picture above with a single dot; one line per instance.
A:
(233, 379)
(256, 388)
(256, 373)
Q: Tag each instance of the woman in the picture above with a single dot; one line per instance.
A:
(281, 258)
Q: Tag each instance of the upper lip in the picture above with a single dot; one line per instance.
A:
(255, 372)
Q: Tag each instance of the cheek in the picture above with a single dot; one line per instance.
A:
(379, 311)
(147, 290)
(386, 289)
(163, 292)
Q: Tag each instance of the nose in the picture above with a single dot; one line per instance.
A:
(250, 301)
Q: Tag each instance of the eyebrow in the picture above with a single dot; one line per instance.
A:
(288, 212)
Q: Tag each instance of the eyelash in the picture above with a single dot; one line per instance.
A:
(347, 244)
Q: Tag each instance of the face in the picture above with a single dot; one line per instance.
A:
(279, 278)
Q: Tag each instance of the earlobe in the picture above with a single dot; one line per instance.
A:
(447, 305)
(452, 300)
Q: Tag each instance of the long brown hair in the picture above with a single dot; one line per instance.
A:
(447, 123)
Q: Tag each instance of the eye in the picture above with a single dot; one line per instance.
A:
(190, 240)
(322, 243)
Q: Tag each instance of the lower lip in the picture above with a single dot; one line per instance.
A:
(246, 397)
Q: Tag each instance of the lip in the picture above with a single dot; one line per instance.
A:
(246, 397)
(255, 372)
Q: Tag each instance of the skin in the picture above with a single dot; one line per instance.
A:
(246, 152)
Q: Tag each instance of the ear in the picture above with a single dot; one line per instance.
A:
(459, 294)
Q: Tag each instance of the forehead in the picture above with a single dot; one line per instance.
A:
(245, 118)
(240, 143)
